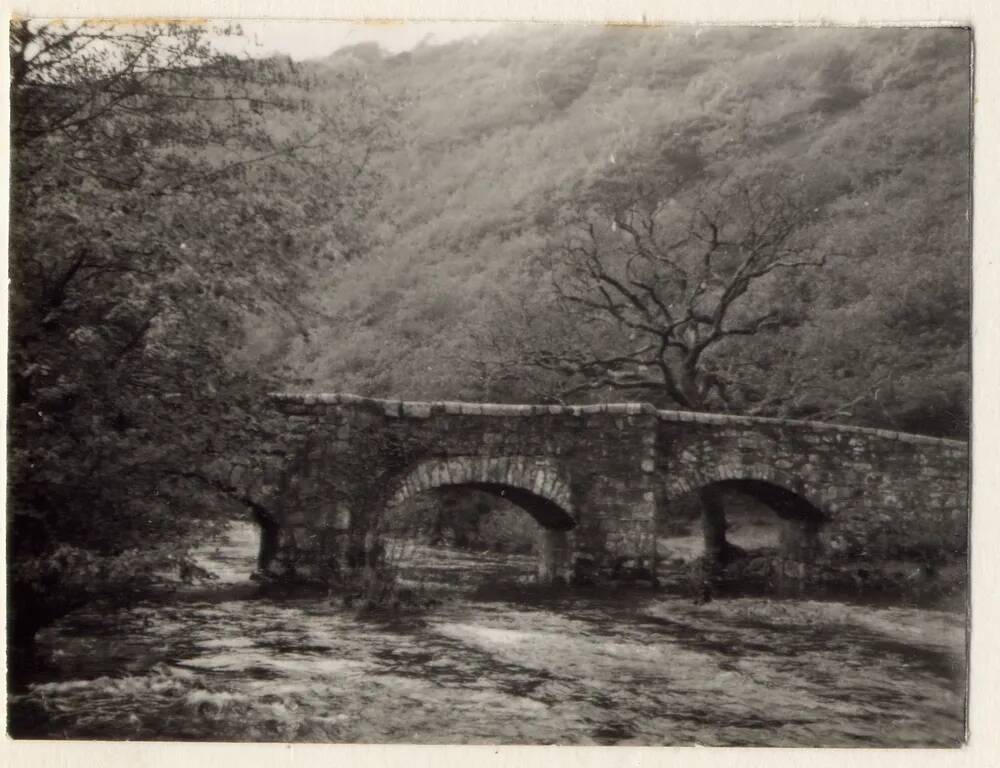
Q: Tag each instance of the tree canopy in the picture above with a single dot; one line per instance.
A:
(164, 196)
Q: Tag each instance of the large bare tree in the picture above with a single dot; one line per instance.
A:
(657, 289)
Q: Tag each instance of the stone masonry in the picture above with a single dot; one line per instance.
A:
(597, 478)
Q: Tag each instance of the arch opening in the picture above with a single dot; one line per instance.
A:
(238, 549)
(546, 512)
(729, 520)
(787, 504)
(744, 515)
(501, 531)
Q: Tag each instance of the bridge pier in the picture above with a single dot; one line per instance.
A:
(555, 556)
(800, 539)
(718, 550)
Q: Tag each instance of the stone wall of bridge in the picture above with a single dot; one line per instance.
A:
(586, 475)
(597, 478)
(881, 493)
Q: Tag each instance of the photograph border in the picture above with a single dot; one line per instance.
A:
(983, 747)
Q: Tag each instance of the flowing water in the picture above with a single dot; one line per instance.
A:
(517, 665)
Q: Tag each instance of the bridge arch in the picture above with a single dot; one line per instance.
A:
(753, 476)
(532, 484)
(801, 510)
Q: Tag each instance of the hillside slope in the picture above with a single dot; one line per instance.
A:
(496, 136)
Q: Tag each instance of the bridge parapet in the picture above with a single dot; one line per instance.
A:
(315, 402)
(310, 403)
(820, 426)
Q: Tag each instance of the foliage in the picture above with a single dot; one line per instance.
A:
(159, 201)
(503, 139)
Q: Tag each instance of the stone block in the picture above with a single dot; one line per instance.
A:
(416, 410)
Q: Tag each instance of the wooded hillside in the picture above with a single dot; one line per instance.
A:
(502, 141)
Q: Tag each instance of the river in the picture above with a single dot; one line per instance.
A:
(513, 665)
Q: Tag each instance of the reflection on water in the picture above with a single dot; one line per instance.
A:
(540, 668)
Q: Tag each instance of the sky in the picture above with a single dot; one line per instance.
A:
(316, 39)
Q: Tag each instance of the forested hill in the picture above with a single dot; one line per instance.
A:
(499, 137)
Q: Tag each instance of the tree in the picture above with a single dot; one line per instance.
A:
(660, 281)
(163, 195)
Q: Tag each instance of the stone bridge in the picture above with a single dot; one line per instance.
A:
(598, 478)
